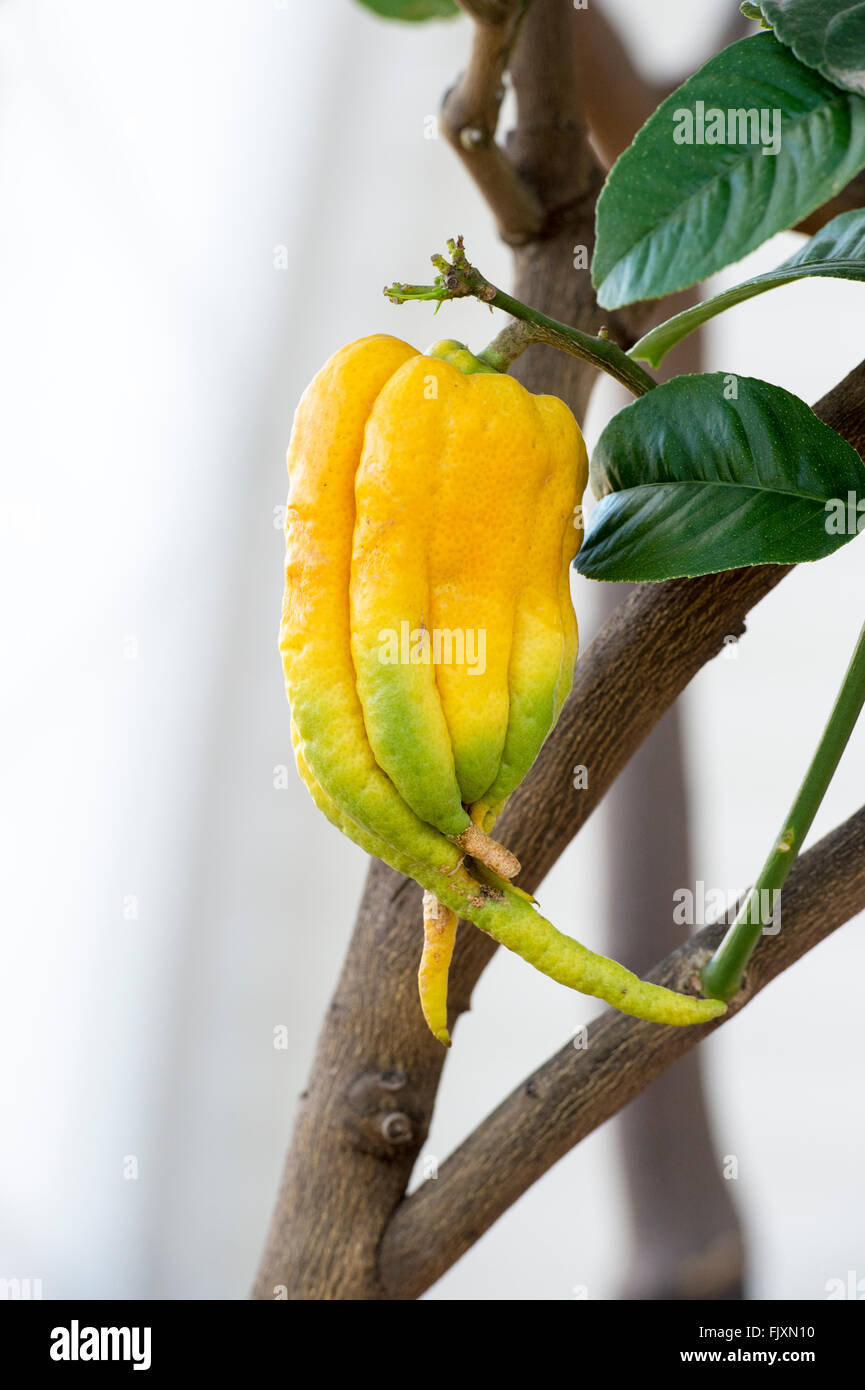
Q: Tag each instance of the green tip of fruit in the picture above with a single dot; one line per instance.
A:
(712, 1008)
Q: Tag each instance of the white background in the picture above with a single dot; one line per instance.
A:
(152, 158)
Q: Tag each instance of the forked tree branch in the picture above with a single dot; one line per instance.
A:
(365, 1115)
(470, 114)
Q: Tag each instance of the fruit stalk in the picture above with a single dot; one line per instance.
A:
(457, 279)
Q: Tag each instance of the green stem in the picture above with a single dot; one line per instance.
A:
(601, 352)
(722, 976)
(457, 279)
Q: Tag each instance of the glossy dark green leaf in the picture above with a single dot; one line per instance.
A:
(712, 472)
(828, 35)
(413, 10)
(838, 250)
(672, 213)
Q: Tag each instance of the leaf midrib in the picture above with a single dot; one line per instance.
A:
(719, 482)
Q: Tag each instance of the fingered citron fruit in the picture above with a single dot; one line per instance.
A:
(428, 637)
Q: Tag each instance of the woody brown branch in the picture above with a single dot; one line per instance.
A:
(365, 1114)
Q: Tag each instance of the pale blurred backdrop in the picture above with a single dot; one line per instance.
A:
(203, 200)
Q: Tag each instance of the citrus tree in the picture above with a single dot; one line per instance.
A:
(709, 488)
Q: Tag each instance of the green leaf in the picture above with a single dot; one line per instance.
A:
(413, 9)
(691, 483)
(828, 35)
(838, 250)
(672, 213)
